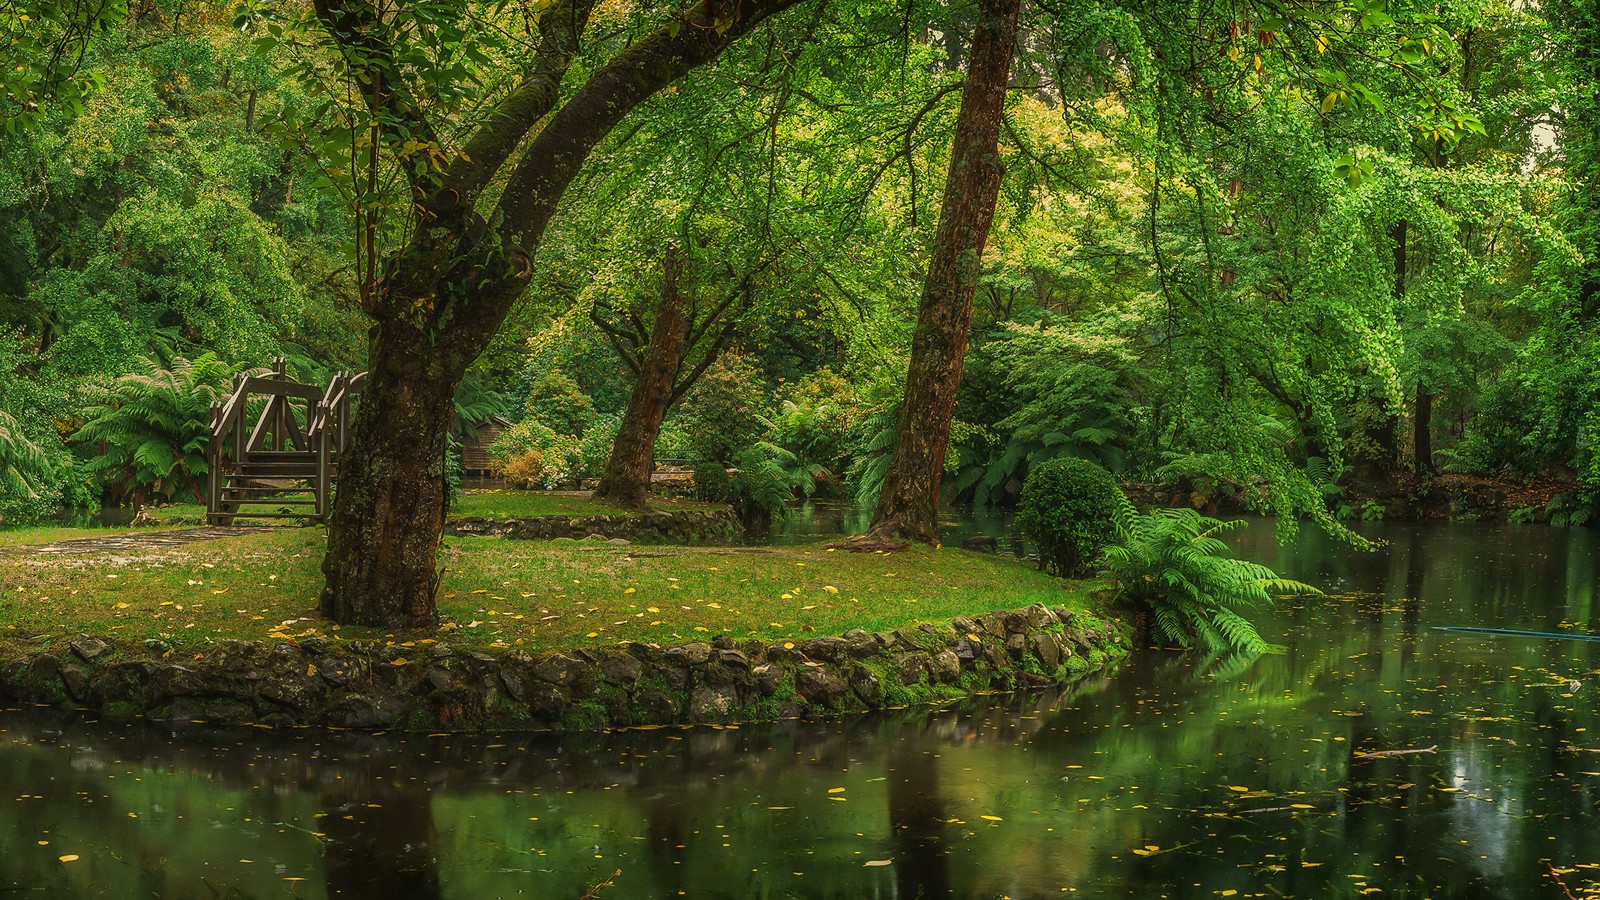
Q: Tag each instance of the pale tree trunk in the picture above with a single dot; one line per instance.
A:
(908, 506)
(626, 481)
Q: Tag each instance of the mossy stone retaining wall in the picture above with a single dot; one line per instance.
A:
(714, 526)
(360, 685)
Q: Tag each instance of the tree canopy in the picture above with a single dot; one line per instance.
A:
(1303, 258)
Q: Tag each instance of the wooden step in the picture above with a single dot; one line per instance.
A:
(262, 515)
(267, 502)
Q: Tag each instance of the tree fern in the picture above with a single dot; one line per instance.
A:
(24, 466)
(154, 426)
(1174, 563)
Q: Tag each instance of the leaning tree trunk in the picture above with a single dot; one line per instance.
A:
(908, 506)
(384, 533)
(626, 481)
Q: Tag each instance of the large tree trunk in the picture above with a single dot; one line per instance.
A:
(442, 298)
(384, 533)
(908, 507)
(626, 481)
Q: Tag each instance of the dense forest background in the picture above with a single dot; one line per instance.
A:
(1214, 268)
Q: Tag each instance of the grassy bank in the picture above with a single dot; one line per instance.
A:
(498, 593)
(508, 503)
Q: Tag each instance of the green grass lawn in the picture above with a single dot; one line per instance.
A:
(508, 503)
(534, 594)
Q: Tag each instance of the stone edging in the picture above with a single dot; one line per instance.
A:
(362, 685)
(655, 527)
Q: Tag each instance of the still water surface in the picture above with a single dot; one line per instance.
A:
(1170, 777)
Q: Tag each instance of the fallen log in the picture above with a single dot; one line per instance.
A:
(1379, 754)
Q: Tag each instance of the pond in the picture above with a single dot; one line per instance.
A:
(1171, 777)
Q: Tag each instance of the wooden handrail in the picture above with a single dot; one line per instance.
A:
(235, 444)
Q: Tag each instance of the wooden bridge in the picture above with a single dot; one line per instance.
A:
(283, 466)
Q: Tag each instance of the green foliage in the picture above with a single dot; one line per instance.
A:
(1068, 399)
(25, 469)
(531, 454)
(711, 482)
(556, 400)
(815, 419)
(722, 413)
(1067, 508)
(1173, 563)
(594, 448)
(154, 426)
(764, 484)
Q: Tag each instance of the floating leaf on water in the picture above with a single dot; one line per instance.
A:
(70, 857)
(878, 862)
(991, 818)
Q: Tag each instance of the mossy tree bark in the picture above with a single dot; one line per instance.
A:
(438, 301)
(908, 505)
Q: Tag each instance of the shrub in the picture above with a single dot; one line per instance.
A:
(711, 482)
(557, 401)
(594, 448)
(1173, 563)
(1068, 508)
(722, 412)
(530, 454)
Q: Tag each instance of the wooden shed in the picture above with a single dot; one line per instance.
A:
(475, 445)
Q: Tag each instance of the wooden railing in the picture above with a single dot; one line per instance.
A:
(288, 459)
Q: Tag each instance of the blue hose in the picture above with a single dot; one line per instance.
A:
(1515, 633)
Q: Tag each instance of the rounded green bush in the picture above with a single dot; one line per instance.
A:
(1068, 508)
(711, 482)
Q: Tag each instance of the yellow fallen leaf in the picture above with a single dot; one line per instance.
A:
(1301, 806)
(400, 661)
(70, 857)
(1235, 787)
(629, 591)
(830, 589)
(879, 862)
(835, 790)
(593, 634)
(992, 818)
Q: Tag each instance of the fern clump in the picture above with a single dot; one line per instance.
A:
(155, 426)
(1068, 509)
(1173, 562)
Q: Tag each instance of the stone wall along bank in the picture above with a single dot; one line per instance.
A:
(355, 684)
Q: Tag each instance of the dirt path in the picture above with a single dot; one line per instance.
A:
(132, 541)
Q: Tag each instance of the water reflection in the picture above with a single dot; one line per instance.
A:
(1173, 777)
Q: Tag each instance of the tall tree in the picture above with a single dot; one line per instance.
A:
(908, 505)
(481, 206)
(666, 359)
